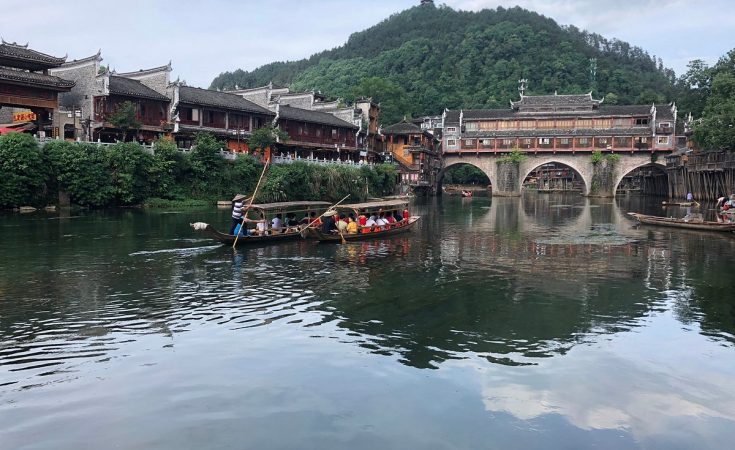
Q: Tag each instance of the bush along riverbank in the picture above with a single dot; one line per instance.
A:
(126, 174)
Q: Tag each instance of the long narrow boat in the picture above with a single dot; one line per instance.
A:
(681, 223)
(365, 233)
(265, 211)
(679, 204)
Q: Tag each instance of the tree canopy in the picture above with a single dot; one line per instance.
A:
(428, 58)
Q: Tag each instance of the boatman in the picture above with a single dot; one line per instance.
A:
(237, 205)
(329, 225)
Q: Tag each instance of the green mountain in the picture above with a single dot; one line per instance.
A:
(426, 58)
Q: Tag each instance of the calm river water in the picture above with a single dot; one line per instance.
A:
(545, 322)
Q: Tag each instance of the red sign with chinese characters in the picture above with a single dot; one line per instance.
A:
(25, 116)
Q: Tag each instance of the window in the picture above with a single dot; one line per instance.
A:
(641, 121)
(194, 114)
(564, 141)
(663, 140)
(527, 124)
(334, 133)
(469, 142)
(584, 123)
(567, 124)
(471, 126)
(664, 124)
(301, 131)
(487, 142)
(526, 142)
(451, 129)
(643, 140)
(505, 124)
(621, 123)
(583, 141)
(451, 142)
(318, 132)
(507, 142)
(546, 124)
(544, 141)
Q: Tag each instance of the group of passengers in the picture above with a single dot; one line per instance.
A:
(375, 221)
(726, 208)
(332, 222)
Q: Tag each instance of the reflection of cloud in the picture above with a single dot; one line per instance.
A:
(605, 392)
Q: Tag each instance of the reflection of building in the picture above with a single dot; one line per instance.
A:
(560, 123)
(415, 151)
(28, 92)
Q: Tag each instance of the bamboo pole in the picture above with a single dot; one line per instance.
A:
(252, 199)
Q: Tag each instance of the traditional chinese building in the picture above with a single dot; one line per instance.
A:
(317, 134)
(98, 94)
(561, 123)
(226, 115)
(27, 91)
(415, 151)
(362, 113)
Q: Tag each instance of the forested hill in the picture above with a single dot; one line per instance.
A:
(426, 58)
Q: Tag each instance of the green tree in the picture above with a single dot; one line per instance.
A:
(265, 137)
(716, 130)
(82, 170)
(392, 98)
(125, 118)
(22, 173)
(130, 172)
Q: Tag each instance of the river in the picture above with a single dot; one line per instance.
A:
(542, 322)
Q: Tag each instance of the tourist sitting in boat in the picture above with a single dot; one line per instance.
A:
(351, 225)
(329, 225)
(306, 220)
(362, 220)
(397, 216)
(277, 224)
(315, 219)
(406, 215)
(292, 224)
(341, 223)
(389, 217)
(370, 222)
(381, 222)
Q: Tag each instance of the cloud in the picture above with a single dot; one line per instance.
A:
(203, 40)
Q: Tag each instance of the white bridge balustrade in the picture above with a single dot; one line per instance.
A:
(150, 149)
(288, 159)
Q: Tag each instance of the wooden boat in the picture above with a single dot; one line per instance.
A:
(365, 233)
(679, 204)
(682, 223)
(265, 211)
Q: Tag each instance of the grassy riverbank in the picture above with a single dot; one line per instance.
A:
(125, 174)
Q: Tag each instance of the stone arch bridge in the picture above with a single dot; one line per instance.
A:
(507, 179)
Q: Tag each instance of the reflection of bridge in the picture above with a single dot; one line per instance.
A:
(505, 184)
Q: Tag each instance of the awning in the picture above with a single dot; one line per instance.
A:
(19, 127)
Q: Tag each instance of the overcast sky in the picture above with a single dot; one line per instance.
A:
(204, 38)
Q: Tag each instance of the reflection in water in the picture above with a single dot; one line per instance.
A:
(543, 306)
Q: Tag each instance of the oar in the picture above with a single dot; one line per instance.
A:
(328, 209)
(252, 199)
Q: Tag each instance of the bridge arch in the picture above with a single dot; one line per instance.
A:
(455, 162)
(632, 165)
(577, 164)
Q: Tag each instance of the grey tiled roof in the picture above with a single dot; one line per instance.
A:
(555, 100)
(34, 78)
(402, 127)
(306, 115)
(602, 111)
(23, 57)
(218, 99)
(133, 88)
